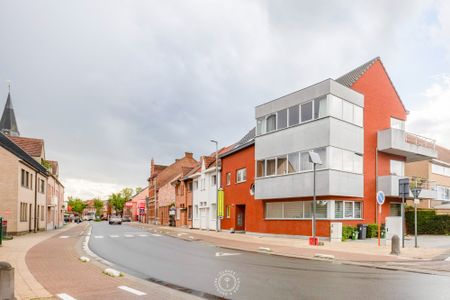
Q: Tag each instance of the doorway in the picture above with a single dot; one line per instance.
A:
(240, 217)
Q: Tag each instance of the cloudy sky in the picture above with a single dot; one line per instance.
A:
(111, 84)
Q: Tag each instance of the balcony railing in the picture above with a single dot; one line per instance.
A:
(418, 140)
(422, 183)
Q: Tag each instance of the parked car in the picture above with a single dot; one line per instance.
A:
(126, 219)
(115, 220)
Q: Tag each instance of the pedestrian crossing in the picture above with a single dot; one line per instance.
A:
(124, 236)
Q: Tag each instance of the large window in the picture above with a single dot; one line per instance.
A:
(294, 115)
(241, 175)
(293, 162)
(395, 209)
(23, 212)
(274, 210)
(260, 126)
(440, 170)
(296, 210)
(306, 111)
(347, 210)
(305, 165)
(228, 178)
(281, 165)
(397, 168)
(260, 168)
(345, 160)
(282, 119)
(320, 107)
(26, 179)
(335, 104)
(271, 123)
(270, 167)
(397, 124)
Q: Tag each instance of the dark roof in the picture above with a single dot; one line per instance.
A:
(351, 77)
(245, 141)
(12, 147)
(8, 122)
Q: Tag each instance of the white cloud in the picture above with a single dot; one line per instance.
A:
(86, 189)
(431, 118)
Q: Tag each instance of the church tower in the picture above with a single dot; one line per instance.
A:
(8, 124)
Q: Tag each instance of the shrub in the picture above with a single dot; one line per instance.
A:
(347, 232)
(427, 222)
(372, 231)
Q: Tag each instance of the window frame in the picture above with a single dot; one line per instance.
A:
(241, 171)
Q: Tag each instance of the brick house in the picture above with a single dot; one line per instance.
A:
(183, 197)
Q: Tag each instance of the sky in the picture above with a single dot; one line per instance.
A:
(109, 85)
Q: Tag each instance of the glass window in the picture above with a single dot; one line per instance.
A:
(305, 165)
(260, 126)
(397, 168)
(357, 163)
(307, 111)
(260, 168)
(323, 157)
(357, 210)
(293, 210)
(335, 106)
(338, 209)
(228, 178)
(321, 209)
(195, 185)
(347, 161)
(274, 210)
(320, 107)
(293, 115)
(348, 212)
(358, 115)
(281, 165)
(347, 111)
(293, 162)
(241, 175)
(307, 208)
(270, 167)
(271, 123)
(397, 124)
(335, 158)
(282, 119)
(395, 209)
(213, 180)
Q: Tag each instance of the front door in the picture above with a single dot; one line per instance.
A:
(240, 217)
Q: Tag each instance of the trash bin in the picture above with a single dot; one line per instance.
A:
(362, 231)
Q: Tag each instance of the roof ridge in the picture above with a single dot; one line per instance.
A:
(349, 78)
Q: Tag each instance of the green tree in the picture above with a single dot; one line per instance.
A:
(117, 201)
(77, 205)
(127, 193)
(98, 204)
(138, 190)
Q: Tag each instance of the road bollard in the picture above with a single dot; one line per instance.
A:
(6, 281)
(395, 245)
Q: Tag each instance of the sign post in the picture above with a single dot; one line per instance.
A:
(380, 200)
(403, 191)
(415, 192)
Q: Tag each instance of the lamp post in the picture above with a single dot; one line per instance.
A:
(314, 158)
(415, 192)
(217, 184)
(147, 213)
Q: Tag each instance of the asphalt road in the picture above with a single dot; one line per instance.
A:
(196, 266)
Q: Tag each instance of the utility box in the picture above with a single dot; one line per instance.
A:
(393, 227)
(336, 232)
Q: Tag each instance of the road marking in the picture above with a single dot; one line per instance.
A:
(130, 290)
(143, 235)
(155, 234)
(64, 237)
(447, 259)
(64, 296)
(128, 235)
(226, 254)
(114, 236)
(98, 236)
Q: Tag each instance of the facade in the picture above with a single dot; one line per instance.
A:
(435, 174)
(55, 198)
(137, 208)
(183, 197)
(161, 190)
(355, 124)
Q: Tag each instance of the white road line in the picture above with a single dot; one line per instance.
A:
(155, 234)
(64, 237)
(130, 290)
(98, 236)
(143, 235)
(226, 254)
(128, 235)
(114, 236)
(447, 259)
(64, 296)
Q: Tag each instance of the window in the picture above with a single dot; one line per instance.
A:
(274, 210)
(213, 180)
(320, 107)
(270, 167)
(203, 184)
(195, 185)
(294, 115)
(228, 178)
(189, 212)
(307, 208)
(397, 124)
(228, 211)
(41, 186)
(395, 209)
(282, 119)
(305, 165)
(23, 212)
(357, 210)
(397, 168)
(357, 163)
(335, 104)
(271, 123)
(321, 209)
(347, 111)
(196, 211)
(23, 178)
(358, 115)
(31, 182)
(260, 126)
(26, 179)
(213, 211)
(293, 210)
(307, 111)
(323, 157)
(440, 170)
(348, 212)
(42, 212)
(281, 165)
(241, 175)
(293, 162)
(260, 168)
(190, 186)
(338, 209)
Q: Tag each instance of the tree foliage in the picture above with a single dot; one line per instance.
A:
(138, 190)
(98, 204)
(127, 193)
(77, 205)
(117, 201)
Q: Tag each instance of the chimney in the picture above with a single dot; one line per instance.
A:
(152, 166)
(188, 154)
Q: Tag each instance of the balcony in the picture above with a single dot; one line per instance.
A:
(409, 145)
(390, 186)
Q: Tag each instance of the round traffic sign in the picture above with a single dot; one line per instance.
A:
(380, 197)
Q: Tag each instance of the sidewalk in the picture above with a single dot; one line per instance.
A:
(356, 252)
(14, 252)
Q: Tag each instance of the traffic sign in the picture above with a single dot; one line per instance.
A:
(380, 197)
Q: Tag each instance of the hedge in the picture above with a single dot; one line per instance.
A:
(427, 222)
(372, 231)
(347, 232)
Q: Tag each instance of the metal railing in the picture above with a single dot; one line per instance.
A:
(423, 183)
(412, 138)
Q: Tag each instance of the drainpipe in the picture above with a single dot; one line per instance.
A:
(36, 221)
(376, 180)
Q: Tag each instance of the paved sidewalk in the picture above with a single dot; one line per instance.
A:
(14, 252)
(363, 253)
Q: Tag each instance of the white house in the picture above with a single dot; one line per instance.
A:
(204, 194)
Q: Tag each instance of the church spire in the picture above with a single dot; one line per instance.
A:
(8, 124)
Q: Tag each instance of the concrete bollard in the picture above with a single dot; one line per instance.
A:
(395, 245)
(6, 281)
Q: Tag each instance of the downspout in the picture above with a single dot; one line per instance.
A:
(376, 181)
(36, 221)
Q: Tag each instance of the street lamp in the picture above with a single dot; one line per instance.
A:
(217, 183)
(314, 158)
(415, 192)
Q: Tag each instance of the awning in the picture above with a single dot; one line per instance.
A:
(142, 205)
(129, 204)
